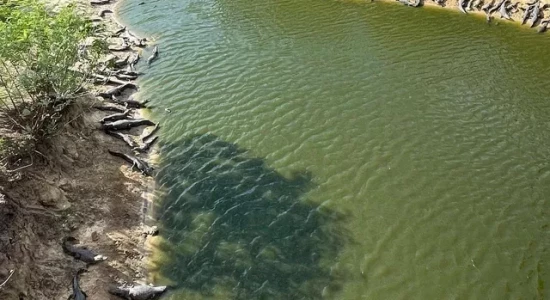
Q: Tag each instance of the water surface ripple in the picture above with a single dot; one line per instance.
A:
(347, 150)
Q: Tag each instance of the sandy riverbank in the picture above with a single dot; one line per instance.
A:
(473, 7)
(75, 188)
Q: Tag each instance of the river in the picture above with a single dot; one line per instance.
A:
(347, 150)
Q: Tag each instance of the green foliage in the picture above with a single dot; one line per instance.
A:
(43, 63)
(43, 45)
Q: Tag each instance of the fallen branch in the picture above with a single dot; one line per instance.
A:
(20, 168)
(5, 281)
(33, 210)
(110, 79)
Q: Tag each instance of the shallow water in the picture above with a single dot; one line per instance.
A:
(347, 150)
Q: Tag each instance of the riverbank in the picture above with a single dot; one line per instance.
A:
(478, 8)
(75, 188)
(97, 203)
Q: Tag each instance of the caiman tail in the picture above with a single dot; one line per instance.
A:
(121, 155)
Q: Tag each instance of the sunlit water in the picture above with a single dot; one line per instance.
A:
(347, 150)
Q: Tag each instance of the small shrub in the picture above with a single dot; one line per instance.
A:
(42, 64)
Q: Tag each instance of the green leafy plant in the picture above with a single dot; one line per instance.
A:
(43, 63)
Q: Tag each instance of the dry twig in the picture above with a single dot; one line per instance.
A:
(5, 281)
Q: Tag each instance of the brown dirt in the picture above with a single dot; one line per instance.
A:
(73, 187)
(82, 191)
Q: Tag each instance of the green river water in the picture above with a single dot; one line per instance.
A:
(347, 150)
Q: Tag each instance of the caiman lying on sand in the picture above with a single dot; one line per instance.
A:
(462, 6)
(117, 90)
(146, 145)
(496, 7)
(504, 11)
(78, 294)
(138, 292)
(115, 117)
(150, 134)
(535, 14)
(126, 124)
(108, 108)
(487, 6)
(130, 103)
(527, 14)
(81, 253)
(543, 25)
(416, 3)
(137, 163)
(121, 136)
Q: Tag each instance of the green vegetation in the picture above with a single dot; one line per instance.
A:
(43, 64)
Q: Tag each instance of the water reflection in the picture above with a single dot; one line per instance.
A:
(230, 221)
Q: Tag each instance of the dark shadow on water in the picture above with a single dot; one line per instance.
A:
(228, 220)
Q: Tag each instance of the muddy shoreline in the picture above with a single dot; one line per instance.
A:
(76, 188)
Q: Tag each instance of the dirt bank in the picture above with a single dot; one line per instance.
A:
(72, 186)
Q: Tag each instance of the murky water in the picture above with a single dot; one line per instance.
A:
(347, 150)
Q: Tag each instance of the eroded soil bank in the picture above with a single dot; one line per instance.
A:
(78, 189)
(72, 186)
